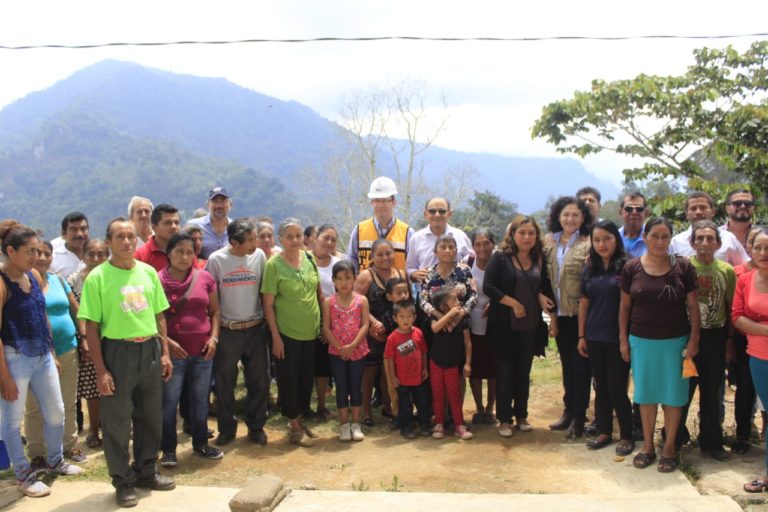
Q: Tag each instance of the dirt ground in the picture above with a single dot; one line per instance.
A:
(529, 462)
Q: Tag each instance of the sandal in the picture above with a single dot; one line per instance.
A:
(93, 441)
(298, 438)
(310, 433)
(600, 441)
(666, 464)
(625, 447)
(367, 422)
(756, 486)
(324, 414)
(642, 460)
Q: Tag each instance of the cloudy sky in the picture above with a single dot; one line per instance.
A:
(495, 90)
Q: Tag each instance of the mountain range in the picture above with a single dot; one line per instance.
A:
(117, 129)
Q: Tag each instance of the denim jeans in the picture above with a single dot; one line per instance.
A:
(36, 374)
(197, 372)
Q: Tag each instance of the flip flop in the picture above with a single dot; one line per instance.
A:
(666, 464)
(756, 486)
(642, 460)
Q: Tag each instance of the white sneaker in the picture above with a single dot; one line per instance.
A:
(65, 468)
(505, 430)
(33, 487)
(463, 433)
(438, 432)
(357, 434)
(346, 433)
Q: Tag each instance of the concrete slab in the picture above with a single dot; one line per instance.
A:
(100, 497)
(350, 501)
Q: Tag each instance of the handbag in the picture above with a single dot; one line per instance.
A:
(541, 337)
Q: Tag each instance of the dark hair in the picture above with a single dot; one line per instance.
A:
(191, 228)
(159, 210)
(445, 238)
(705, 224)
(326, 227)
(508, 245)
(309, 230)
(633, 195)
(583, 191)
(115, 221)
(176, 240)
(698, 194)
(756, 230)
(619, 256)
(238, 229)
(447, 202)
(342, 266)
(737, 191)
(484, 232)
(389, 286)
(655, 221)
(553, 223)
(402, 305)
(72, 217)
(48, 244)
(13, 234)
(440, 297)
(379, 242)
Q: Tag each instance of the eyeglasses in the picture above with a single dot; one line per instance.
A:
(435, 211)
(635, 209)
(742, 204)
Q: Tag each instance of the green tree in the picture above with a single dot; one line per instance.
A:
(486, 210)
(717, 106)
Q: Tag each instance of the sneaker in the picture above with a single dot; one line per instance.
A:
(209, 452)
(357, 434)
(168, 460)
(65, 468)
(346, 433)
(505, 430)
(38, 464)
(438, 432)
(33, 487)
(75, 455)
(463, 433)
(523, 425)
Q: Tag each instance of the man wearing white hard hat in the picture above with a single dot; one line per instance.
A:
(383, 224)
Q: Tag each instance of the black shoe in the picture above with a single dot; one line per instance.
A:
(562, 423)
(575, 429)
(718, 454)
(408, 434)
(598, 442)
(258, 436)
(126, 496)
(157, 483)
(740, 447)
(210, 433)
(591, 429)
(224, 439)
(394, 424)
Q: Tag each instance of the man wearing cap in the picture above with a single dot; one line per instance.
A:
(214, 224)
(383, 224)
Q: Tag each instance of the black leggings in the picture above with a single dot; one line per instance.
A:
(295, 376)
(348, 376)
(577, 374)
(611, 375)
(513, 375)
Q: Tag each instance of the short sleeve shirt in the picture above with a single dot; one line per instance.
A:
(407, 351)
(659, 303)
(717, 282)
(604, 296)
(123, 302)
(448, 346)
(295, 291)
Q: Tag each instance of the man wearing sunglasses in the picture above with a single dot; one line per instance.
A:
(740, 207)
(421, 254)
(633, 212)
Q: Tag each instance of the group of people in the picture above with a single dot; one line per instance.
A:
(148, 322)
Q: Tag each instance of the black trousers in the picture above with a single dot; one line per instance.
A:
(407, 397)
(295, 376)
(513, 358)
(137, 400)
(577, 374)
(611, 374)
(745, 389)
(710, 364)
(248, 346)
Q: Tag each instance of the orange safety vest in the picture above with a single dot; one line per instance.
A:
(367, 234)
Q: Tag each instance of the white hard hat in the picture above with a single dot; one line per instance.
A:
(381, 188)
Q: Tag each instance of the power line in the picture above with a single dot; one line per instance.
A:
(380, 38)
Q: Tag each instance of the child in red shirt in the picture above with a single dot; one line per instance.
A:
(405, 363)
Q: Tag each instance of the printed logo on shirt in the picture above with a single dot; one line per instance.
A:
(241, 276)
(133, 299)
(406, 348)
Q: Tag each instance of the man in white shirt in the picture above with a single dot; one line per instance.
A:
(740, 207)
(68, 256)
(700, 206)
(421, 254)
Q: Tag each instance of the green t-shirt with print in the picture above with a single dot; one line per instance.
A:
(123, 302)
(717, 282)
(295, 291)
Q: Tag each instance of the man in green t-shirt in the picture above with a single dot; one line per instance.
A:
(122, 304)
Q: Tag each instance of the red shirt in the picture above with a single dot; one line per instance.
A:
(152, 255)
(407, 351)
(750, 303)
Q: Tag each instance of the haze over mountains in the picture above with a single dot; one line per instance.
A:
(117, 129)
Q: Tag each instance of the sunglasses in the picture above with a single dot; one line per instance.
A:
(435, 211)
(635, 209)
(742, 204)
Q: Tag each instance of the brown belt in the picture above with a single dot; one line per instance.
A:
(133, 340)
(239, 326)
